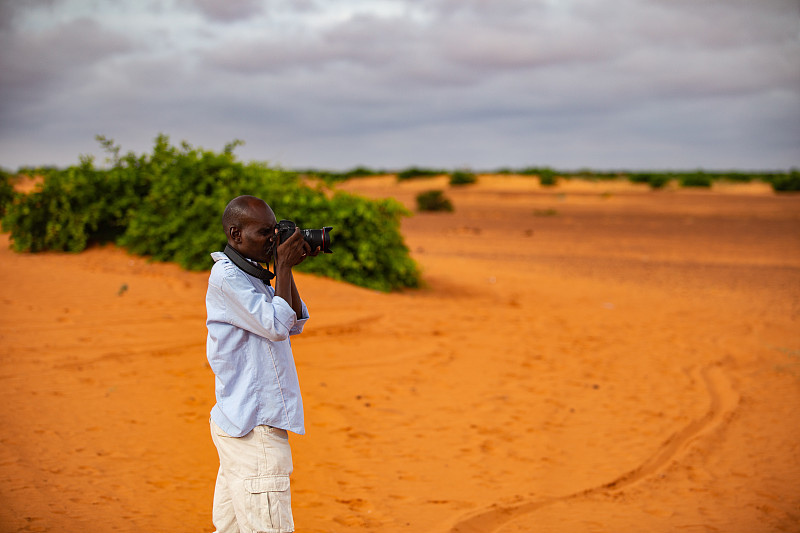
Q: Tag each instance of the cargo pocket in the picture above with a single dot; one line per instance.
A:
(270, 504)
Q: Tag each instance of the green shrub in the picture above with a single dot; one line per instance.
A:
(695, 179)
(178, 218)
(595, 175)
(331, 178)
(462, 177)
(786, 182)
(547, 177)
(738, 177)
(168, 205)
(72, 208)
(368, 248)
(6, 191)
(433, 201)
(529, 171)
(416, 172)
(656, 180)
(360, 172)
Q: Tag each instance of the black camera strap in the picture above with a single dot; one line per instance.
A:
(255, 270)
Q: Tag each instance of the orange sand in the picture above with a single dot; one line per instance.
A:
(589, 357)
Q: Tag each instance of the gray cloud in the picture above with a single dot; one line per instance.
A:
(227, 10)
(503, 82)
(11, 11)
(49, 62)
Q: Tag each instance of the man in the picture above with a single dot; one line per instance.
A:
(257, 389)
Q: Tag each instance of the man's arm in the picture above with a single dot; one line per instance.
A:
(296, 303)
(291, 252)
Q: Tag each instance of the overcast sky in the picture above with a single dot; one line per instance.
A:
(391, 83)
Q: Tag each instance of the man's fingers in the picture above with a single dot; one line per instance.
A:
(292, 240)
(294, 236)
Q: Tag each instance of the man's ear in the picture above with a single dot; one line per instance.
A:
(235, 235)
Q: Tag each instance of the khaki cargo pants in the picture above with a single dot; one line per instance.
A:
(252, 493)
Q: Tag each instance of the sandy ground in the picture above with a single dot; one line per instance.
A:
(590, 357)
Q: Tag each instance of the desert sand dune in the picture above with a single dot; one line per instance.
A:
(589, 357)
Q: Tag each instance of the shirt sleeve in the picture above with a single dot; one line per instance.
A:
(300, 322)
(249, 309)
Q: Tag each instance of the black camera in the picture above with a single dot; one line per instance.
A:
(316, 238)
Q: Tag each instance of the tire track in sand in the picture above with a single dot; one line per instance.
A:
(724, 400)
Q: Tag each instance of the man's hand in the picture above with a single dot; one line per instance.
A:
(292, 251)
(310, 252)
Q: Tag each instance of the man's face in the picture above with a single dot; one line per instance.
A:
(258, 234)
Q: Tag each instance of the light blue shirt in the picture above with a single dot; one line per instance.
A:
(249, 352)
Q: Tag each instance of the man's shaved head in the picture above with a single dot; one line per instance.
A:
(240, 211)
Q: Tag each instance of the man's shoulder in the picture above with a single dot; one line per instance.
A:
(223, 268)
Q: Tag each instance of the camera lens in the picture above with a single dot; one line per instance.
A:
(316, 238)
(319, 238)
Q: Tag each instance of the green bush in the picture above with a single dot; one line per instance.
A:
(168, 206)
(6, 191)
(416, 172)
(331, 178)
(71, 208)
(462, 177)
(547, 177)
(738, 177)
(695, 179)
(786, 182)
(368, 248)
(656, 180)
(433, 201)
(529, 171)
(360, 172)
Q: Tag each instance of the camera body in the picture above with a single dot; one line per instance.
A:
(316, 238)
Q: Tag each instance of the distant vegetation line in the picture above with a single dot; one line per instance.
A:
(781, 180)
